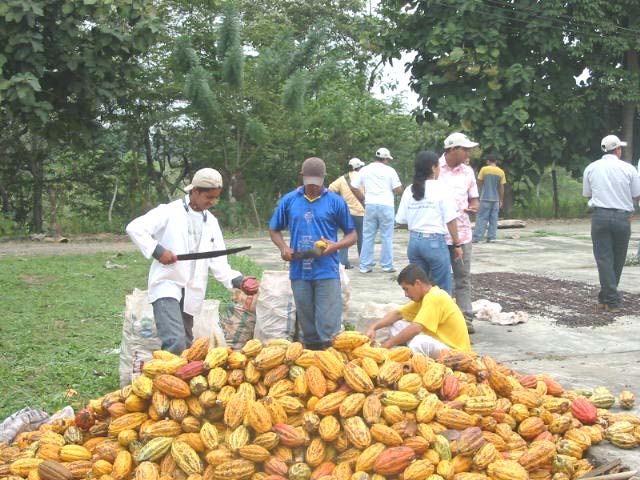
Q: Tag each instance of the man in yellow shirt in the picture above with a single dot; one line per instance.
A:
(431, 322)
(342, 186)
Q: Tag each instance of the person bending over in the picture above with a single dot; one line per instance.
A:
(431, 322)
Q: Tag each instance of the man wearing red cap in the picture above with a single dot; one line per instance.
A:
(177, 289)
(313, 215)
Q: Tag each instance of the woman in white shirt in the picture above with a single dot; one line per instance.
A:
(429, 213)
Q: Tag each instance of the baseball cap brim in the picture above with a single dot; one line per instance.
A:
(308, 180)
(468, 144)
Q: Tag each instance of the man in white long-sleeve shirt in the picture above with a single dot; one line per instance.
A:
(177, 289)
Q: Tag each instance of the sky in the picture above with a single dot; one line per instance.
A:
(396, 74)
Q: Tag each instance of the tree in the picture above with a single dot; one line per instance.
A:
(62, 62)
(504, 72)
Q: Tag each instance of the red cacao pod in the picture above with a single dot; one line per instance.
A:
(584, 411)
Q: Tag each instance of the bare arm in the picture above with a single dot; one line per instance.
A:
(474, 203)
(398, 190)
(348, 240)
(387, 320)
(285, 251)
(452, 226)
(501, 194)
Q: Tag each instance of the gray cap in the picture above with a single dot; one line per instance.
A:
(313, 171)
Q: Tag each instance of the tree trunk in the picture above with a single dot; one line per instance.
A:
(36, 167)
(629, 109)
(53, 214)
(4, 196)
(556, 200)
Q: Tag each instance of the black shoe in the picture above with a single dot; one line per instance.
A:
(470, 327)
(348, 267)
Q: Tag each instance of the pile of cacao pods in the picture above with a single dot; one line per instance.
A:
(351, 412)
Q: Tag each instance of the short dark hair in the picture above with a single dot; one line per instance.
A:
(413, 272)
(492, 157)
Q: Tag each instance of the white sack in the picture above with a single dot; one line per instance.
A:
(275, 307)
(140, 337)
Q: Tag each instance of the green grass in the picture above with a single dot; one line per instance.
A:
(61, 325)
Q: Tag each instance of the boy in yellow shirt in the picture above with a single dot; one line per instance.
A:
(431, 322)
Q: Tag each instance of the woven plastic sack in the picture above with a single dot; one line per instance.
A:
(140, 337)
(238, 318)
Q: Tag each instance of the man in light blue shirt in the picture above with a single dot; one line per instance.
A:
(612, 185)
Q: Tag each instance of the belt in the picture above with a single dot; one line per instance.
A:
(426, 235)
(612, 210)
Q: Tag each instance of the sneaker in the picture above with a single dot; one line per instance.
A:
(365, 271)
(470, 327)
(389, 270)
(611, 309)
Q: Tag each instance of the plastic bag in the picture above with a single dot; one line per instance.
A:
(275, 307)
(140, 336)
(238, 318)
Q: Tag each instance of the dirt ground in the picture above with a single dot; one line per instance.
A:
(547, 297)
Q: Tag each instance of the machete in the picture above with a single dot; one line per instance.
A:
(211, 254)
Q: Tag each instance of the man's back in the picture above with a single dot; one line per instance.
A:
(378, 181)
(611, 183)
(491, 177)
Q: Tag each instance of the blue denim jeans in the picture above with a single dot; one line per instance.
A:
(175, 328)
(318, 309)
(487, 214)
(344, 252)
(377, 217)
(430, 251)
(610, 233)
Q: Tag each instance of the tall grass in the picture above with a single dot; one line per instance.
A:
(538, 203)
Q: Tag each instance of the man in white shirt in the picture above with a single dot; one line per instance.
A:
(177, 288)
(381, 183)
(612, 185)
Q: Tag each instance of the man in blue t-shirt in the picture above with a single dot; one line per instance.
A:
(313, 213)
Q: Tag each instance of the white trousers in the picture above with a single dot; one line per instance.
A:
(421, 343)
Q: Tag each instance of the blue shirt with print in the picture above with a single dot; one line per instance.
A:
(309, 221)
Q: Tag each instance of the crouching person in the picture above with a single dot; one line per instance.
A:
(431, 322)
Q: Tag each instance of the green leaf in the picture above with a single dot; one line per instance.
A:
(456, 55)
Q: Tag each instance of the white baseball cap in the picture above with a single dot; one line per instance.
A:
(611, 142)
(458, 139)
(205, 178)
(384, 154)
(356, 163)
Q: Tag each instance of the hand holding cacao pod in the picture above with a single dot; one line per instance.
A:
(250, 285)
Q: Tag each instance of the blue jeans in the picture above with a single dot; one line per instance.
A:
(487, 214)
(175, 328)
(318, 309)
(344, 252)
(377, 217)
(430, 251)
(610, 233)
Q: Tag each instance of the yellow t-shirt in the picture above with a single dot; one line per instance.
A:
(440, 318)
(341, 187)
